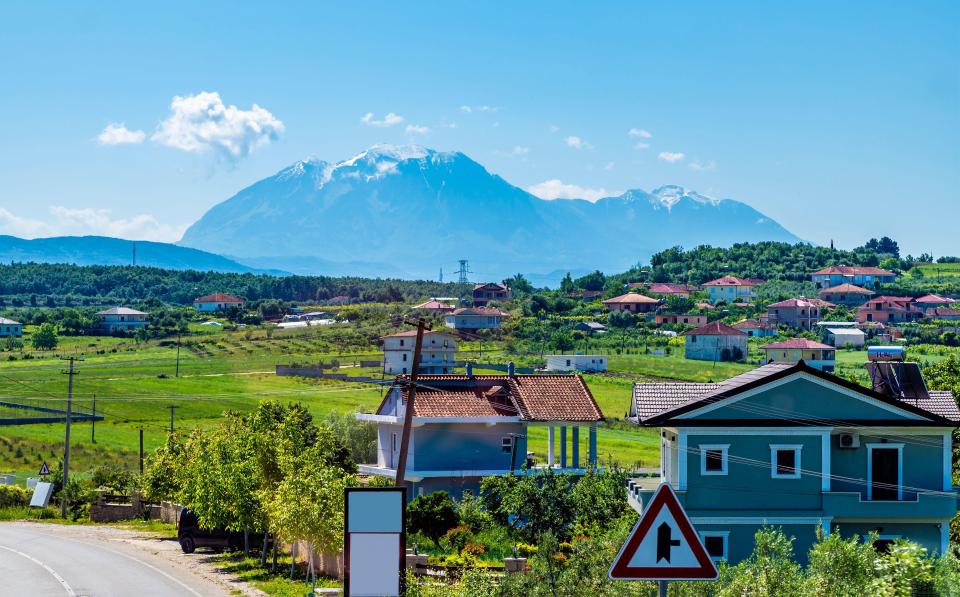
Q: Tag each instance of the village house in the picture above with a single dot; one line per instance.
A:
(122, 320)
(933, 301)
(789, 446)
(685, 319)
(819, 356)
(848, 295)
(490, 291)
(730, 289)
(10, 328)
(632, 303)
(843, 334)
(585, 295)
(800, 313)
(588, 363)
(467, 427)
(474, 318)
(943, 313)
(590, 327)
(756, 329)
(715, 342)
(889, 309)
(437, 355)
(217, 301)
(666, 290)
(867, 277)
(435, 307)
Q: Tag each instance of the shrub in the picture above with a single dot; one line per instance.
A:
(458, 537)
(13, 496)
(432, 514)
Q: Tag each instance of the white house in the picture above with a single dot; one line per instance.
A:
(576, 362)
(840, 337)
(217, 301)
(122, 319)
(730, 289)
(819, 356)
(715, 342)
(474, 318)
(438, 354)
(9, 327)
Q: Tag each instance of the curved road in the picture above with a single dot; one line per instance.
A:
(46, 559)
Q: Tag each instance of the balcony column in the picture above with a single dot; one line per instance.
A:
(563, 446)
(592, 455)
(576, 446)
(550, 446)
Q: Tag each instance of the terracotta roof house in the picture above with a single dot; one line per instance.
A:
(868, 277)
(731, 288)
(705, 306)
(122, 320)
(217, 301)
(815, 354)
(475, 318)
(665, 289)
(944, 313)
(10, 328)
(800, 313)
(466, 427)
(632, 302)
(490, 291)
(434, 306)
(756, 329)
(889, 309)
(715, 342)
(787, 444)
(933, 301)
(681, 319)
(846, 294)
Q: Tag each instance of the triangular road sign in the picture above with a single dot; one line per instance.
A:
(44, 469)
(663, 545)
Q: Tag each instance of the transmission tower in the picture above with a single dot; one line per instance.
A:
(464, 270)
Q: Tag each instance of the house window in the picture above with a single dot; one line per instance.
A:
(885, 472)
(401, 341)
(715, 542)
(693, 339)
(713, 459)
(785, 461)
(883, 542)
(404, 357)
(506, 444)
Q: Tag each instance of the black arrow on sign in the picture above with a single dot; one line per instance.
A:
(665, 542)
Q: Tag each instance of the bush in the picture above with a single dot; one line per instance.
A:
(13, 496)
(432, 515)
(458, 537)
(113, 478)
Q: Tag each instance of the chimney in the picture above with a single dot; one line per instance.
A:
(511, 369)
(470, 370)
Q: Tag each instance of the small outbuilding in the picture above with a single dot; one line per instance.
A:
(715, 342)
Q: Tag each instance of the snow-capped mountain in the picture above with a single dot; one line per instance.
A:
(415, 210)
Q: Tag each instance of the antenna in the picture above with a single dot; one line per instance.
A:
(464, 270)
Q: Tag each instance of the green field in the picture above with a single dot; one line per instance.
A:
(943, 270)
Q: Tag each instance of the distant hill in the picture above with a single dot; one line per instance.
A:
(413, 211)
(102, 250)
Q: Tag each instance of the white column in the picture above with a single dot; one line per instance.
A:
(576, 446)
(550, 446)
(947, 462)
(944, 537)
(682, 457)
(563, 446)
(825, 461)
(592, 454)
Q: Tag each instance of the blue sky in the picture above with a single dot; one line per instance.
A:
(839, 120)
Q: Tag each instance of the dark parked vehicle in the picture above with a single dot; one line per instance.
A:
(191, 536)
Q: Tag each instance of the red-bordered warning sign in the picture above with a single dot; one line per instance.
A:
(663, 545)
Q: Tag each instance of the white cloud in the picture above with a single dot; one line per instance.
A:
(390, 119)
(554, 128)
(642, 145)
(609, 166)
(707, 166)
(518, 150)
(576, 142)
(471, 109)
(416, 129)
(466, 109)
(117, 133)
(89, 221)
(557, 189)
(642, 133)
(671, 156)
(203, 123)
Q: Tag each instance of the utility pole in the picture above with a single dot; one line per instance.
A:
(172, 407)
(411, 397)
(464, 270)
(178, 354)
(66, 443)
(141, 450)
(93, 422)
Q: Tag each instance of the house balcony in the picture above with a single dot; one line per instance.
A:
(842, 504)
(418, 475)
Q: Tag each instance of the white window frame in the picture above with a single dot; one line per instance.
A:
(726, 543)
(870, 449)
(724, 458)
(797, 450)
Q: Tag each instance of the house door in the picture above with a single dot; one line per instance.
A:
(885, 479)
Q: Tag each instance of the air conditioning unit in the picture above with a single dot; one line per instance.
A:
(849, 440)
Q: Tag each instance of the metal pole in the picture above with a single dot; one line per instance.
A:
(178, 355)
(408, 413)
(171, 407)
(66, 442)
(662, 586)
(93, 422)
(141, 450)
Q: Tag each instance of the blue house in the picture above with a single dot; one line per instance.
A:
(466, 427)
(790, 446)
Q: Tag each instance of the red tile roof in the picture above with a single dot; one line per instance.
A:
(663, 288)
(753, 324)
(559, 397)
(715, 329)
(799, 343)
(802, 302)
(943, 312)
(488, 311)
(630, 298)
(434, 306)
(847, 288)
(733, 281)
(491, 286)
(852, 270)
(409, 333)
(933, 298)
(218, 297)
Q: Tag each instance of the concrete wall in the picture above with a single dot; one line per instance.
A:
(710, 348)
(922, 462)
(461, 446)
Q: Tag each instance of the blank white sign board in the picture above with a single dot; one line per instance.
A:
(41, 495)
(374, 564)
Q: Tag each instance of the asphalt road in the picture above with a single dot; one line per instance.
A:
(41, 560)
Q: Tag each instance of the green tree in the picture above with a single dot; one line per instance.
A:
(769, 571)
(840, 566)
(160, 475)
(562, 340)
(432, 514)
(45, 337)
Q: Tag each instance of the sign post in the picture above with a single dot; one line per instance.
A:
(374, 543)
(663, 546)
(44, 469)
